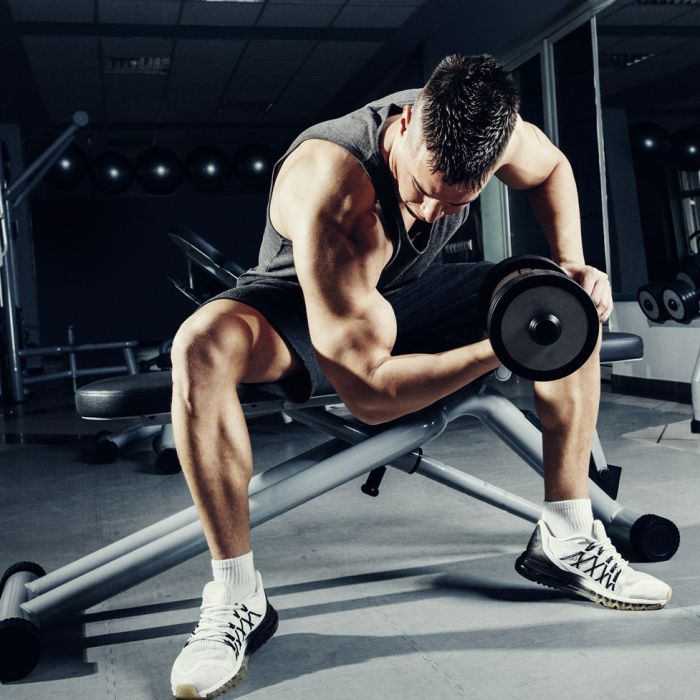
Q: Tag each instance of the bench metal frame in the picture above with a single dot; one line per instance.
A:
(30, 600)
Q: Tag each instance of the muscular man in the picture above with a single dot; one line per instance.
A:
(349, 288)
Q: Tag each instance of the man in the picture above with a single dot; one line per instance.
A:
(348, 286)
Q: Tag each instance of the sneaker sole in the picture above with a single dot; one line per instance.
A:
(532, 571)
(257, 638)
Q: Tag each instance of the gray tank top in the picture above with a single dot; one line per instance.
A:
(358, 132)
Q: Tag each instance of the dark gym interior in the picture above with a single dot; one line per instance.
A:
(138, 139)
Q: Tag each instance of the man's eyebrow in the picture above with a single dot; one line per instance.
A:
(422, 191)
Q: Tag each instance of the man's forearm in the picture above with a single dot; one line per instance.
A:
(403, 384)
(555, 206)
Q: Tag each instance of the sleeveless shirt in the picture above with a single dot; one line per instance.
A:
(359, 133)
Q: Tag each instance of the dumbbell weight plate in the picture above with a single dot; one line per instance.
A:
(651, 301)
(500, 273)
(542, 325)
(681, 301)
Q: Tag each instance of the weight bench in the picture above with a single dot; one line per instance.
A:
(30, 598)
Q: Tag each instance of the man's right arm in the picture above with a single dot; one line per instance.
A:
(340, 250)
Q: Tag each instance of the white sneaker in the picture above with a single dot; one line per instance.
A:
(215, 656)
(590, 567)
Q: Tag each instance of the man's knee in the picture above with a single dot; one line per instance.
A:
(210, 343)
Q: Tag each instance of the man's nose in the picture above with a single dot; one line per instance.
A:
(431, 209)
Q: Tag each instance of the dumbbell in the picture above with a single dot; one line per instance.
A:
(651, 301)
(678, 300)
(682, 297)
(542, 325)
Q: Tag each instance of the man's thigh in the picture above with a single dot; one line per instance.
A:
(440, 309)
(282, 360)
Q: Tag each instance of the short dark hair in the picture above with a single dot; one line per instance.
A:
(468, 109)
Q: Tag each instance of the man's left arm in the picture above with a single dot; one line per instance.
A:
(532, 162)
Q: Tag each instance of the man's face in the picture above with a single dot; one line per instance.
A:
(423, 192)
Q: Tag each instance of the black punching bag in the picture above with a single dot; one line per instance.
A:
(111, 172)
(158, 171)
(208, 168)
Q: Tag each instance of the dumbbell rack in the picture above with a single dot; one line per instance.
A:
(678, 300)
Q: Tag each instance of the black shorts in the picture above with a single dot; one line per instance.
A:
(436, 312)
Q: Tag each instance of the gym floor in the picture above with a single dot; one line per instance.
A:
(411, 595)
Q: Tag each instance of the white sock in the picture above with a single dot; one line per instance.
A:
(568, 518)
(238, 571)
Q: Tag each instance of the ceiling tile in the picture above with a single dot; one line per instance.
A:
(210, 49)
(273, 49)
(51, 56)
(237, 14)
(137, 46)
(690, 19)
(645, 14)
(43, 11)
(297, 15)
(344, 50)
(650, 44)
(337, 3)
(370, 16)
(200, 68)
(139, 11)
(386, 3)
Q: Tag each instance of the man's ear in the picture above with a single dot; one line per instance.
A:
(406, 114)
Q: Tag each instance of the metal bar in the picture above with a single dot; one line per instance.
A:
(478, 488)
(84, 347)
(72, 360)
(174, 524)
(416, 463)
(517, 55)
(28, 180)
(130, 360)
(549, 92)
(9, 293)
(601, 148)
(290, 492)
(68, 374)
(508, 422)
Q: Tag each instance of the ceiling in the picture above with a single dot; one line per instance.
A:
(177, 72)
(650, 60)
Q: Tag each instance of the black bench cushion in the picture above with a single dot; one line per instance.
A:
(150, 393)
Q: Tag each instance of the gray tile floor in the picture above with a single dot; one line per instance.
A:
(411, 595)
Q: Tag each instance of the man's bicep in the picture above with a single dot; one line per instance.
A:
(352, 327)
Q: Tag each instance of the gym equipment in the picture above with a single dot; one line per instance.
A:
(30, 600)
(685, 146)
(208, 168)
(651, 301)
(111, 173)
(208, 272)
(681, 301)
(70, 169)
(71, 350)
(542, 325)
(650, 142)
(158, 170)
(677, 301)
(201, 256)
(253, 164)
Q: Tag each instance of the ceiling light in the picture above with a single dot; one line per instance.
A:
(136, 65)
(623, 60)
